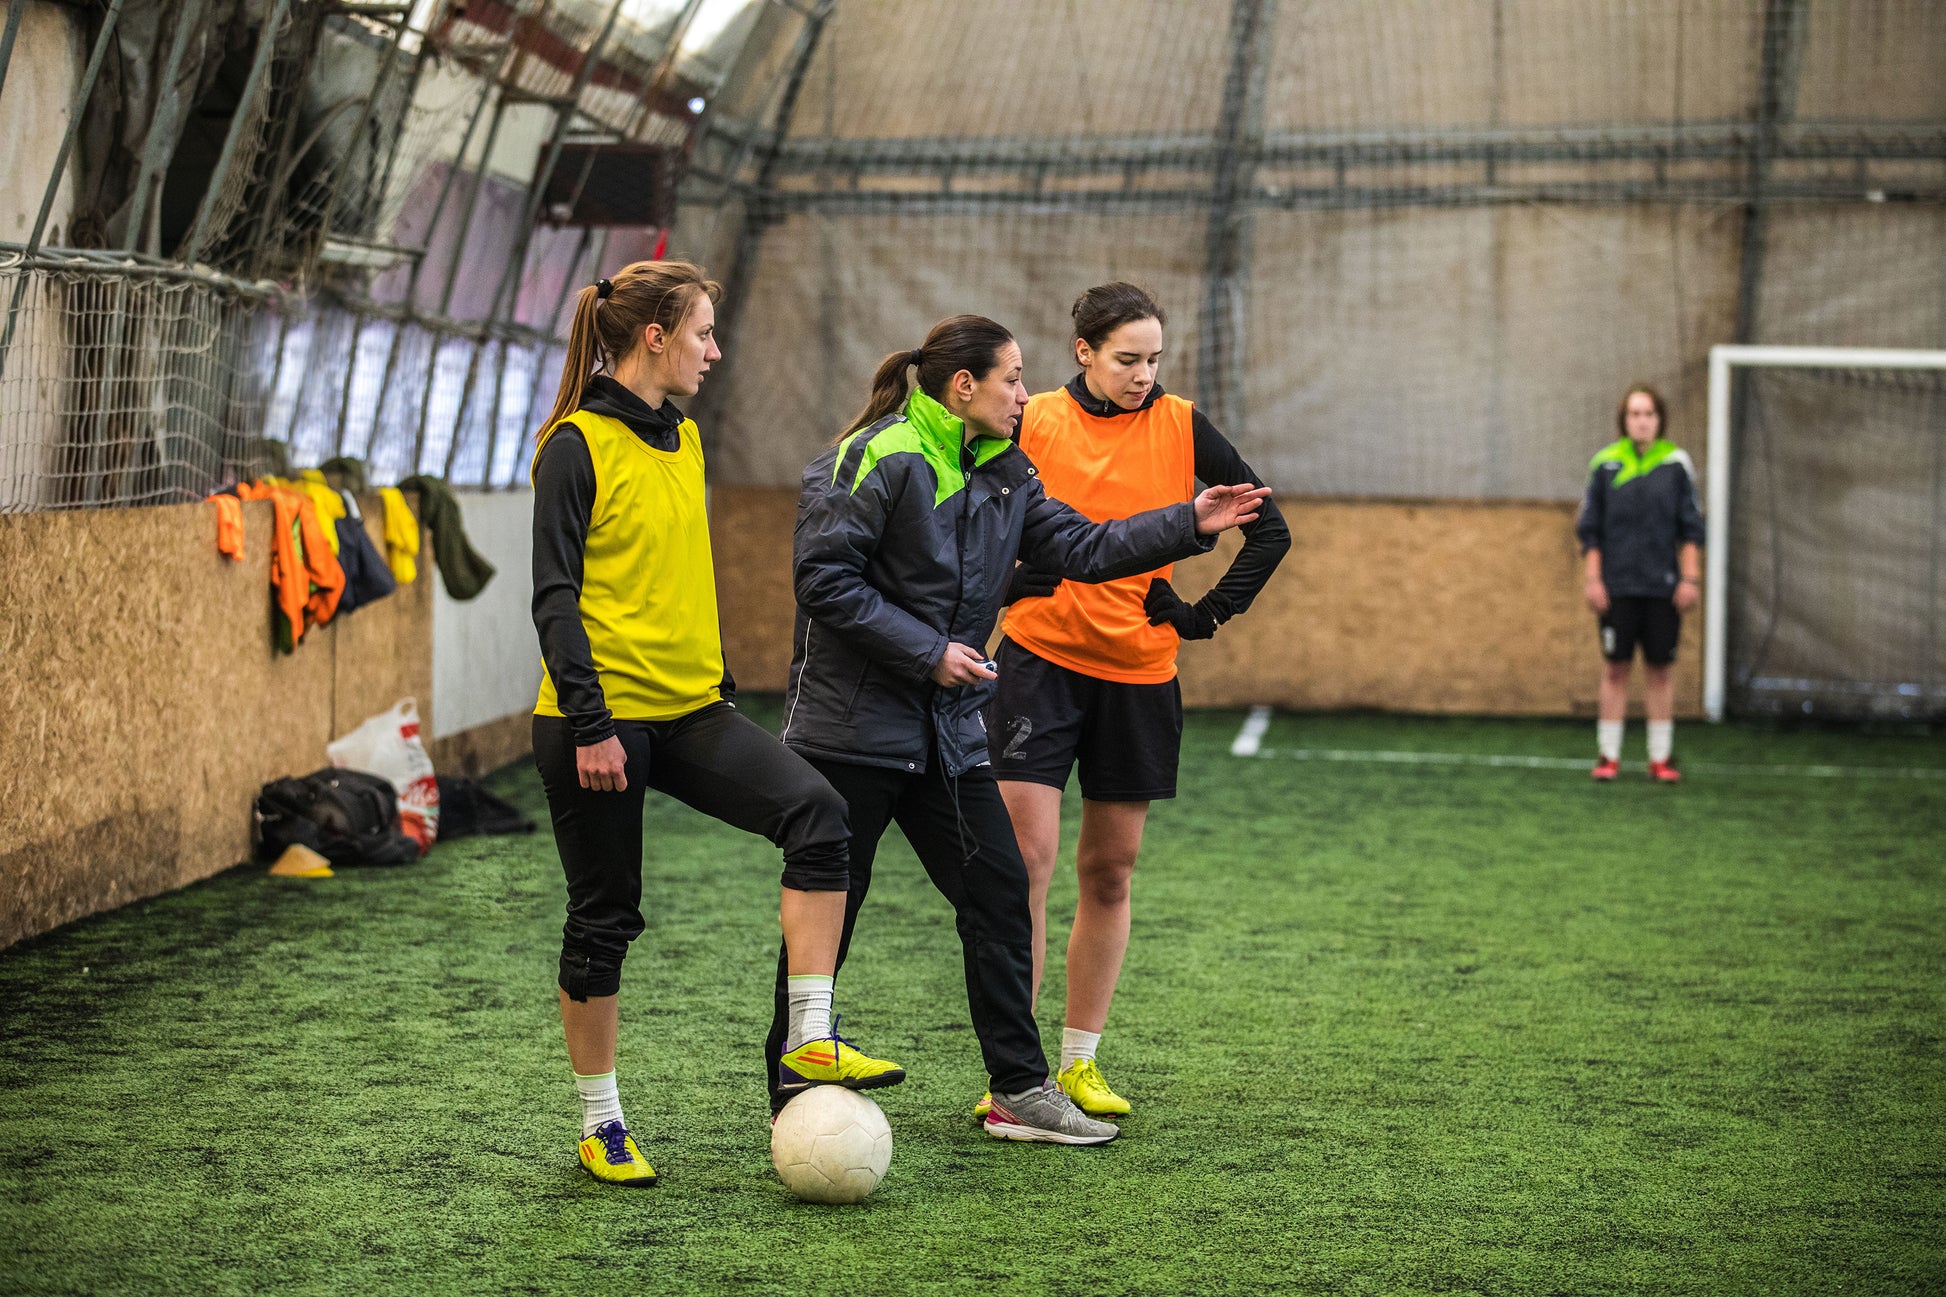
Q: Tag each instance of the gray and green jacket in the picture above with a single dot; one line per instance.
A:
(1640, 510)
(906, 540)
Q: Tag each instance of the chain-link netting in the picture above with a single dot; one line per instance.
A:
(373, 273)
(1838, 544)
(129, 387)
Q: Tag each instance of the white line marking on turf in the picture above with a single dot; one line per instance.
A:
(1571, 763)
(1251, 736)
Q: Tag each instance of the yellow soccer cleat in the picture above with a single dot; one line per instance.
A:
(831, 1060)
(983, 1107)
(1081, 1081)
(611, 1157)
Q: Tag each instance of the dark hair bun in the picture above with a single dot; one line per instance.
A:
(1107, 307)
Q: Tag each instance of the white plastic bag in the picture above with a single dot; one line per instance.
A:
(387, 745)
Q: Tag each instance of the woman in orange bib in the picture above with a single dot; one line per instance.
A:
(1088, 672)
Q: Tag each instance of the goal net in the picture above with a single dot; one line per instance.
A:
(1827, 485)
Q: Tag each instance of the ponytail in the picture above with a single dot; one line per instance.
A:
(610, 317)
(888, 389)
(968, 342)
(579, 366)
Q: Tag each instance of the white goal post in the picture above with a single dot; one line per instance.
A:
(1716, 605)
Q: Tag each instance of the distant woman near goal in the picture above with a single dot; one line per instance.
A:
(1088, 673)
(1641, 535)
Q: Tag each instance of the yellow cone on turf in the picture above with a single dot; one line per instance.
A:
(299, 861)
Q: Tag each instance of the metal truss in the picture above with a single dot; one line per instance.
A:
(1334, 170)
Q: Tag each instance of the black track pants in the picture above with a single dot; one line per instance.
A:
(717, 760)
(970, 853)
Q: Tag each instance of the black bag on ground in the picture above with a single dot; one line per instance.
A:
(467, 808)
(346, 816)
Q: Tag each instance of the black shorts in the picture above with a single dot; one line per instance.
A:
(1044, 717)
(1640, 619)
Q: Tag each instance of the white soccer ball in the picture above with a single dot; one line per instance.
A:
(830, 1144)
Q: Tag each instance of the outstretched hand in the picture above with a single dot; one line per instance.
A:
(1221, 507)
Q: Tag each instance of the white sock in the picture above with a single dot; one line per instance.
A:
(601, 1102)
(810, 1001)
(1662, 738)
(1608, 739)
(1077, 1044)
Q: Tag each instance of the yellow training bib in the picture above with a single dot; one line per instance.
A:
(648, 582)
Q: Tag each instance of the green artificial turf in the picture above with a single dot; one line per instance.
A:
(1388, 1028)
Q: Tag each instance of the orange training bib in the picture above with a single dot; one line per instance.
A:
(1105, 468)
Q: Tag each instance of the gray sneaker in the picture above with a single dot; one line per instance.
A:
(1046, 1115)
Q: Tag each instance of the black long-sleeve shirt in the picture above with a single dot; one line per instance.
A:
(1265, 541)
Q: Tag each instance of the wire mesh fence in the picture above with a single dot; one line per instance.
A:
(1413, 252)
(129, 385)
(365, 271)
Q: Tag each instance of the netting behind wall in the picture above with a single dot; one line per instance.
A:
(1838, 544)
(1407, 250)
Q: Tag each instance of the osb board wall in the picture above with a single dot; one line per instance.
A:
(750, 539)
(1446, 606)
(144, 705)
(1404, 606)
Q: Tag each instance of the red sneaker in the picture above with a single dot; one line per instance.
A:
(1665, 772)
(1606, 770)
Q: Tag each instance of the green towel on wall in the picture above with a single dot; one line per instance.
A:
(347, 473)
(461, 567)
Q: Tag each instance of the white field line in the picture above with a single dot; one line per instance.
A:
(1251, 736)
(1365, 757)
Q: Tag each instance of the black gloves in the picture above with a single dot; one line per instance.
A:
(1162, 604)
(1030, 583)
(1191, 620)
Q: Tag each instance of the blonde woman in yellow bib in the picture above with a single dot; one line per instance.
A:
(635, 694)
